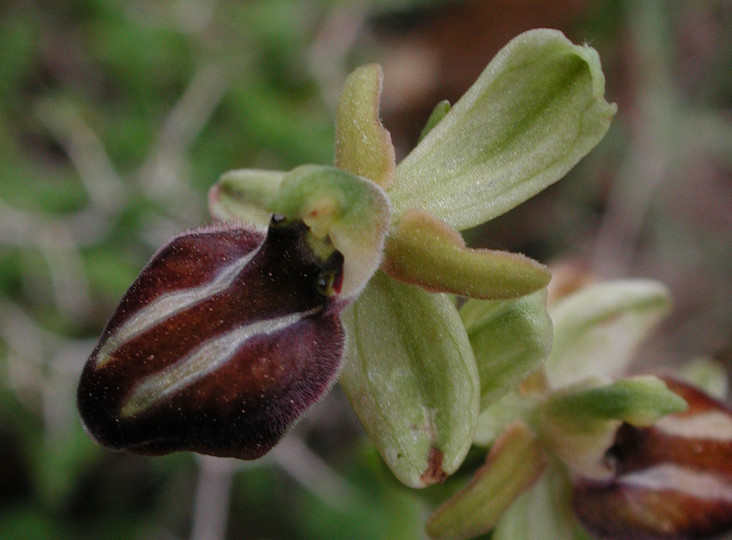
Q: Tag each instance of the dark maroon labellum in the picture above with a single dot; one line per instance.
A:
(224, 340)
(672, 480)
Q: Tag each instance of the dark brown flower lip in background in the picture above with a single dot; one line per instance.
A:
(222, 342)
(672, 480)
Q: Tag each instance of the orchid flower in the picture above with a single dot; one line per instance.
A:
(580, 450)
(234, 330)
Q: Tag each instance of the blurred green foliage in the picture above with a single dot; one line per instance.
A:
(116, 117)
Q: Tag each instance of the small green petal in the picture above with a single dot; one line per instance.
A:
(543, 512)
(579, 423)
(640, 401)
(411, 377)
(598, 329)
(244, 195)
(536, 110)
(424, 251)
(513, 464)
(438, 113)
(363, 146)
(351, 212)
(510, 339)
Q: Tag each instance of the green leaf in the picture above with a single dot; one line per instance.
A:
(424, 251)
(513, 464)
(579, 423)
(598, 329)
(363, 146)
(244, 195)
(536, 110)
(510, 339)
(544, 512)
(411, 377)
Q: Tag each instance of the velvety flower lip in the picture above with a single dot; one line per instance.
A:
(672, 479)
(222, 342)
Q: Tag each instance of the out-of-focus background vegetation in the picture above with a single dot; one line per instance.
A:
(115, 118)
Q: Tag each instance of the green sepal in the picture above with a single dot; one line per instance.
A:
(535, 111)
(424, 251)
(510, 339)
(244, 195)
(579, 423)
(438, 113)
(363, 145)
(598, 328)
(411, 378)
(513, 464)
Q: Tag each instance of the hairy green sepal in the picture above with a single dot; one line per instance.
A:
(535, 111)
(411, 377)
(510, 339)
(598, 329)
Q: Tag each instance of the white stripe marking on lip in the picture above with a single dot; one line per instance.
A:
(711, 425)
(203, 360)
(168, 305)
(695, 483)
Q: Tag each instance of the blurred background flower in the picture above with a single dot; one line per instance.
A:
(115, 118)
